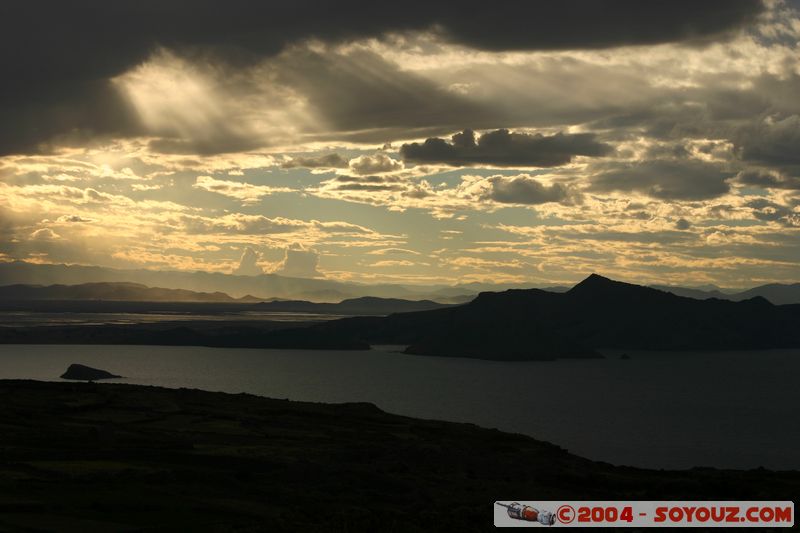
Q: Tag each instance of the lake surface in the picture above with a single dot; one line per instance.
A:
(658, 410)
(38, 318)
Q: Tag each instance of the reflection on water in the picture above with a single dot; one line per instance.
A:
(23, 318)
(663, 410)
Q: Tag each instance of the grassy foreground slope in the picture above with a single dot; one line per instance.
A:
(110, 457)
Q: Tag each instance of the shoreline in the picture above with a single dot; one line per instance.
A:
(120, 456)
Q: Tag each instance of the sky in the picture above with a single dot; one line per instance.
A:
(415, 142)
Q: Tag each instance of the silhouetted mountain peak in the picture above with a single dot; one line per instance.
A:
(597, 282)
(598, 288)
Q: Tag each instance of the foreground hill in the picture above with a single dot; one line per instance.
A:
(88, 457)
(595, 314)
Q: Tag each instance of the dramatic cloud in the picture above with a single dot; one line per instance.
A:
(652, 141)
(669, 180)
(61, 112)
(65, 52)
(189, 107)
(248, 264)
(502, 148)
(773, 142)
(299, 263)
(768, 180)
(588, 24)
(526, 190)
(360, 96)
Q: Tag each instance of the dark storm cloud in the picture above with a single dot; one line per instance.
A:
(333, 160)
(527, 190)
(769, 211)
(713, 109)
(90, 39)
(363, 92)
(222, 141)
(70, 111)
(768, 180)
(55, 56)
(666, 180)
(590, 23)
(505, 149)
(774, 142)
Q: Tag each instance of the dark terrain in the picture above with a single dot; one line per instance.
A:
(514, 325)
(110, 457)
(597, 313)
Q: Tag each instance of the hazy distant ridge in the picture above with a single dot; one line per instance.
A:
(595, 314)
(133, 297)
(113, 291)
(264, 286)
(777, 293)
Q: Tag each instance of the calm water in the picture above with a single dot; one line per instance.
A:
(661, 410)
(31, 318)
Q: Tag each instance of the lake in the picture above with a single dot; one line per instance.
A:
(657, 410)
(37, 318)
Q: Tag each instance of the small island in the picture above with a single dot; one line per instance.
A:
(78, 372)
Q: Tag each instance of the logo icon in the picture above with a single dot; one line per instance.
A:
(527, 513)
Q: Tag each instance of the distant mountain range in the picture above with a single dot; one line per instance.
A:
(112, 297)
(595, 314)
(272, 286)
(113, 291)
(262, 287)
(518, 324)
(776, 293)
